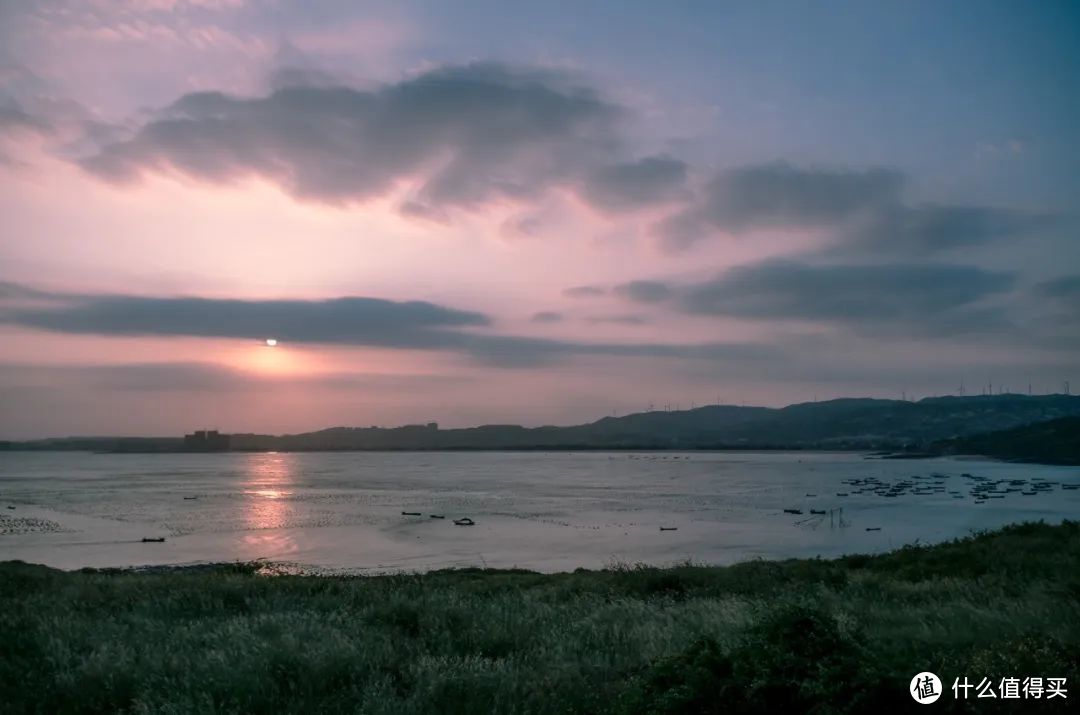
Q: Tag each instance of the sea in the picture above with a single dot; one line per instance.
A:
(379, 512)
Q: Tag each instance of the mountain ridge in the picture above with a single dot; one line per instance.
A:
(843, 423)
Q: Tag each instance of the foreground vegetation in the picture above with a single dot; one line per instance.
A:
(843, 635)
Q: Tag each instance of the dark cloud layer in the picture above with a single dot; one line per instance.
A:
(1059, 321)
(864, 210)
(925, 298)
(467, 132)
(642, 291)
(1065, 290)
(930, 228)
(780, 195)
(457, 136)
(13, 118)
(621, 319)
(344, 321)
(636, 184)
(349, 320)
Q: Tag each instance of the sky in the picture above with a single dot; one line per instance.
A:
(529, 212)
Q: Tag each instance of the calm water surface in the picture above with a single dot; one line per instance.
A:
(546, 511)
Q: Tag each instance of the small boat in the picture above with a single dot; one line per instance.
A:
(817, 511)
(873, 528)
(841, 494)
(811, 495)
(190, 498)
(793, 511)
(669, 528)
(437, 516)
(411, 513)
(466, 521)
(153, 539)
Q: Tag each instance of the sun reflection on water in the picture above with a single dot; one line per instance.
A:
(266, 488)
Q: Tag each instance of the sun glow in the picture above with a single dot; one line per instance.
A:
(278, 362)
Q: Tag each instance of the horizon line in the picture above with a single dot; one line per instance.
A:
(564, 426)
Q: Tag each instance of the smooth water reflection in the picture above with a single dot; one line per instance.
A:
(550, 511)
(266, 490)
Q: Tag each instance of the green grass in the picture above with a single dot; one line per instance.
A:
(793, 636)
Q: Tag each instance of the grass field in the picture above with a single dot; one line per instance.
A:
(794, 636)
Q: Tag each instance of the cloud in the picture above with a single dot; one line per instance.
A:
(933, 227)
(863, 210)
(628, 319)
(636, 184)
(13, 119)
(642, 291)
(348, 320)
(1055, 314)
(10, 291)
(199, 376)
(16, 127)
(546, 316)
(780, 195)
(1064, 290)
(587, 291)
(454, 136)
(158, 376)
(523, 226)
(927, 298)
(356, 321)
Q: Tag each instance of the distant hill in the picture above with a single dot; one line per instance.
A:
(853, 423)
(1051, 442)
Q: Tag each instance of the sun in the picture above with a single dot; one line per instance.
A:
(269, 357)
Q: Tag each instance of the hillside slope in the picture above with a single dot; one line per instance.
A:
(1051, 442)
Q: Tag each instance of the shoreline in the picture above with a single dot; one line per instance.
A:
(760, 636)
(868, 452)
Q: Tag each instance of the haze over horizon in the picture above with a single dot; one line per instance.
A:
(471, 213)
